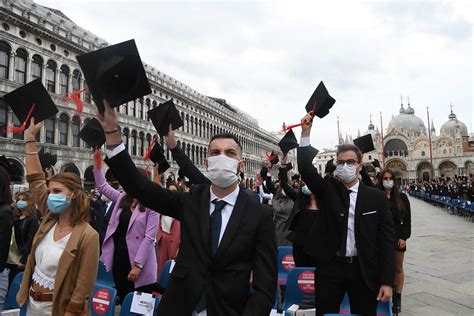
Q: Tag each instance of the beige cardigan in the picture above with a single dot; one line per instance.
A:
(78, 264)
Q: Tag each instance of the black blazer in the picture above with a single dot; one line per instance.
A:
(374, 230)
(402, 227)
(25, 231)
(6, 224)
(248, 245)
(195, 176)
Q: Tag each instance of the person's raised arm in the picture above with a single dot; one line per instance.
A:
(34, 171)
(133, 182)
(185, 164)
(268, 179)
(283, 177)
(101, 184)
(309, 174)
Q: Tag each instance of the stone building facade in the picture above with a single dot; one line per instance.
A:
(41, 42)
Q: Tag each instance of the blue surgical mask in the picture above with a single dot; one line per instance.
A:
(58, 203)
(21, 204)
(305, 190)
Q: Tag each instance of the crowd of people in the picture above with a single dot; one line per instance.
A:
(222, 232)
(457, 187)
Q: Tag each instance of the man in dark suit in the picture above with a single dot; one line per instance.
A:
(352, 241)
(225, 236)
(188, 169)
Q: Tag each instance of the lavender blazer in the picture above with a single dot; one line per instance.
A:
(140, 235)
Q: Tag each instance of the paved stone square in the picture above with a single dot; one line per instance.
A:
(439, 265)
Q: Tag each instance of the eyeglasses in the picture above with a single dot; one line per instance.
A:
(349, 162)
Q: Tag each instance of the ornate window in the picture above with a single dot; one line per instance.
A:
(49, 130)
(63, 129)
(51, 76)
(4, 59)
(37, 67)
(63, 80)
(20, 65)
(75, 127)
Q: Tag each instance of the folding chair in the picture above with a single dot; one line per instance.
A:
(285, 263)
(299, 288)
(10, 301)
(104, 277)
(127, 305)
(103, 300)
(165, 274)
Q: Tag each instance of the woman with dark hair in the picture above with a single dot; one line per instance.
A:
(25, 226)
(401, 215)
(129, 244)
(6, 223)
(60, 273)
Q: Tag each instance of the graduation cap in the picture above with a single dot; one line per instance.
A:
(289, 166)
(376, 163)
(330, 167)
(320, 103)
(288, 142)
(164, 115)
(273, 157)
(114, 73)
(93, 134)
(157, 155)
(30, 100)
(364, 143)
(263, 172)
(47, 160)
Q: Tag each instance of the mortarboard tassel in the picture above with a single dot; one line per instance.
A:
(98, 158)
(21, 128)
(148, 151)
(269, 156)
(76, 98)
(313, 113)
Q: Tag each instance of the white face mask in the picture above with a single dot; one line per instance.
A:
(346, 172)
(388, 184)
(222, 170)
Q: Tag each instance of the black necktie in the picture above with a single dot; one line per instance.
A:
(216, 224)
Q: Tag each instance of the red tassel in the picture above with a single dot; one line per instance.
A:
(269, 157)
(22, 127)
(148, 151)
(313, 112)
(76, 98)
(98, 158)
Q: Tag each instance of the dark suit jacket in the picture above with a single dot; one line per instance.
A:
(248, 245)
(374, 228)
(195, 176)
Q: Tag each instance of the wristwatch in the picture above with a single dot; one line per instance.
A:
(139, 266)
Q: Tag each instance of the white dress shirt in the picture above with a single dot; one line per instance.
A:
(351, 249)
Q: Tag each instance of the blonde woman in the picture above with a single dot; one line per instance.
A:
(60, 272)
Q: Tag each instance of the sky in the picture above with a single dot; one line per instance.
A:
(267, 57)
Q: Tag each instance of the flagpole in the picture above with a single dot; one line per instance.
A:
(429, 137)
(383, 146)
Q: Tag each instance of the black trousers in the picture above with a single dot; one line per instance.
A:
(302, 259)
(333, 279)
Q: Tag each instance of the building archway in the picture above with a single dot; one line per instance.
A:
(447, 169)
(109, 176)
(424, 171)
(89, 181)
(468, 167)
(400, 169)
(71, 167)
(17, 171)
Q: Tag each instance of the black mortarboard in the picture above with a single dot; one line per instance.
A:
(263, 172)
(93, 134)
(289, 166)
(330, 167)
(322, 99)
(164, 115)
(376, 163)
(47, 160)
(273, 158)
(114, 73)
(364, 143)
(157, 155)
(22, 99)
(288, 142)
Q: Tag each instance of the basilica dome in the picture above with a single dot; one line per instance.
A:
(407, 122)
(449, 128)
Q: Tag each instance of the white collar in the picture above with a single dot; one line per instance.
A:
(230, 198)
(355, 187)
